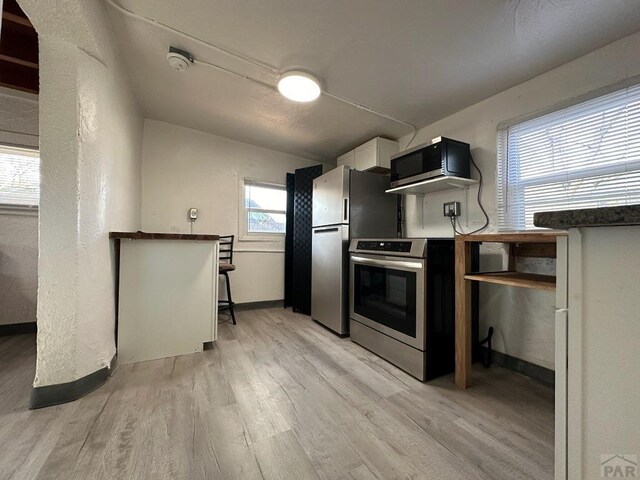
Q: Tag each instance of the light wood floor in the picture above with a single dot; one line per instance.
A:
(278, 397)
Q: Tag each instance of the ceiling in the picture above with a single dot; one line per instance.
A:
(416, 60)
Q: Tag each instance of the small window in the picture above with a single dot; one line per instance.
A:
(19, 177)
(584, 156)
(265, 207)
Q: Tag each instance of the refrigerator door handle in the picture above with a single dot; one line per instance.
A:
(346, 209)
(325, 230)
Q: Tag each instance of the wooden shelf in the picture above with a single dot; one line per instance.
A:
(433, 185)
(545, 236)
(516, 279)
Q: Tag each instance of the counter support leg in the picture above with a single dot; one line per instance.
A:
(463, 315)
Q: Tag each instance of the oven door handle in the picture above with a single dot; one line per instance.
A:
(388, 263)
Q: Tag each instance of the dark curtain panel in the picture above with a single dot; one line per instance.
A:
(288, 244)
(301, 248)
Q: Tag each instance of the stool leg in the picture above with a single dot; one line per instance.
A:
(231, 304)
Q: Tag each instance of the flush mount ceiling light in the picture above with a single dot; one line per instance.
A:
(182, 62)
(299, 86)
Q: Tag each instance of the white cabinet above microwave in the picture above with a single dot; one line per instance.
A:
(348, 159)
(373, 156)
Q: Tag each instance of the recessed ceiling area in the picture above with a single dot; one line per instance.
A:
(418, 61)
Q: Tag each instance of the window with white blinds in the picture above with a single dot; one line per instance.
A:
(584, 156)
(19, 177)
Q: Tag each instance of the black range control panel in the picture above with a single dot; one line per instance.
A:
(385, 246)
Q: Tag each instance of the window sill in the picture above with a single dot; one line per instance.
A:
(22, 211)
(261, 237)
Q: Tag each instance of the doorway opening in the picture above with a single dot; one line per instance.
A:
(19, 201)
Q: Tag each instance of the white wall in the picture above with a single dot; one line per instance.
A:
(90, 140)
(18, 232)
(18, 118)
(523, 319)
(18, 268)
(183, 168)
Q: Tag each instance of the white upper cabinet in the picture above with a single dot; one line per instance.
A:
(348, 159)
(375, 154)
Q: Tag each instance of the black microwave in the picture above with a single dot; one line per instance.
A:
(445, 157)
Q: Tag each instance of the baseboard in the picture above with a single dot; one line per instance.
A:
(258, 305)
(51, 395)
(531, 370)
(18, 328)
(113, 364)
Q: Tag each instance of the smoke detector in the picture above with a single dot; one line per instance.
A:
(179, 59)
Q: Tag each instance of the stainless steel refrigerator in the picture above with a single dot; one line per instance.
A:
(346, 204)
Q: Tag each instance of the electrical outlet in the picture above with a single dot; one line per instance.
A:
(451, 209)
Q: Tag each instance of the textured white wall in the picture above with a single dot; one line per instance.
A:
(110, 150)
(523, 319)
(91, 140)
(57, 278)
(91, 137)
(183, 168)
(18, 233)
(18, 268)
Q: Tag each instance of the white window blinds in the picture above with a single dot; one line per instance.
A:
(584, 156)
(19, 177)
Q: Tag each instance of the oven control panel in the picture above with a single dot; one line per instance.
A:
(391, 247)
(385, 246)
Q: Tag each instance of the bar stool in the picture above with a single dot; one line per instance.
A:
(226, 266)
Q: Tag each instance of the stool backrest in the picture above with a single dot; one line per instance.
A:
(226, 248)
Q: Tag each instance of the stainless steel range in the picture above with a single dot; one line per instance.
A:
(402, 302)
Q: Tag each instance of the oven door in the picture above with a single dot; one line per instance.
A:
(388, 295)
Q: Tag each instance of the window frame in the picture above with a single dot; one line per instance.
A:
(245, 234)
(502, 143)
(17, 209)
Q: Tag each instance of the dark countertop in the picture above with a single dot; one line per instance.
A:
(162, 236)
(589, 217)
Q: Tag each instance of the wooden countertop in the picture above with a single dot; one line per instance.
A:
(162, 236)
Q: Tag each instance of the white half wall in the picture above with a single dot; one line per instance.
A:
(183, 168)
(523, 319)
(18, 232)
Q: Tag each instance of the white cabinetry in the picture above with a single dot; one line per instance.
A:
(375, 154)
(601, 330)
(348, 159)
(168, 302)
(562, 271)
